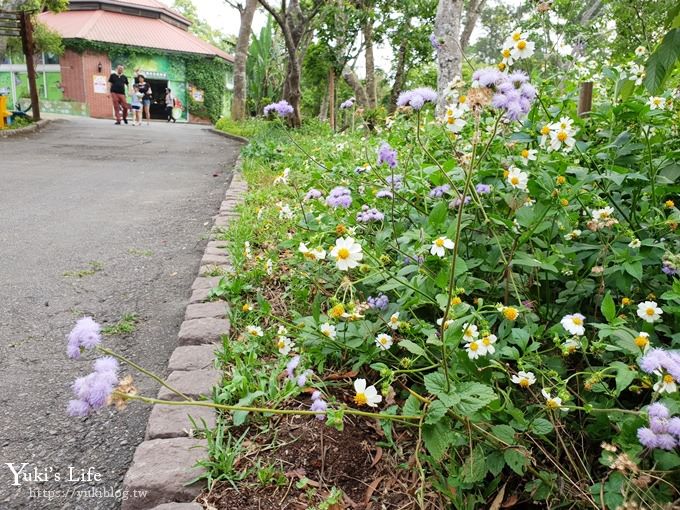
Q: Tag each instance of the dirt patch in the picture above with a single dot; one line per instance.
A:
(311, 459)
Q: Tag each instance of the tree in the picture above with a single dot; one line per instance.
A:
(294, 19)
(201, 28)
(452, 38)
(247, 12)
(44, 39)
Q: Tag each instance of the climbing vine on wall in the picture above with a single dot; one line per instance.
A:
(207, 74)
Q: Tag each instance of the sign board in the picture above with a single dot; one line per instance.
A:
(100, 84)
(197, 95)
(153, 75)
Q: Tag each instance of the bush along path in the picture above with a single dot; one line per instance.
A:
(476, 310)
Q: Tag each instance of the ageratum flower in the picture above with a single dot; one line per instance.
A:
(384, 193)
(387, 155)
(319, 405)
(439, 191)
(92, 392)
(346, 105)
(282, 109)
(339, 197)
(313, 194)
(369, 215)
(483, 189)
(417, 98)
(85, 335)
(378, 303)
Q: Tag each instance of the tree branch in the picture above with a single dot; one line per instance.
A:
(474, 10)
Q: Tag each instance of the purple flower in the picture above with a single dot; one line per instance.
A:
(483, 189)
(439, 191)
(658, 410)
(86, 334)
(106, 364)
(665, 442)
(669, 268)
(435, 42)
(378, 303)
(455, 203)
(653, 360)
(487, 77)
(319, 406)
(384, 193)
(674, 426)
(658, 425)
(313, 194)
(518, 77)
(78, 408)
(647, 437)
(394, 181)
(339, 197)
(369, 215)
(417, 98)
(514, 94)
(302, 378)
(282, 109)
(346, 105)
(316, 395)
(95, 388)
(387, 155)
(291, 366)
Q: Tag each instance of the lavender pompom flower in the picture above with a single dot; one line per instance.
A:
(291, 366)
(483, 189)
(394, 181)
(106, 364)
(417, 98)
(513, 92)
(384, 193)
(658, 410)
(282, 109)
(487, 77)
(666, 442)
(78, 408)
(313, 194)
(378, 303)
(671, 264)
(647, 437)
(92, 392)
(367, 215)
(439, 191)
(674, 426)
(346, 105)
(658, 360)
(319, 405)
(455, 203)
(86, 334)
(302, 378)
(387, 155)
(339, 197)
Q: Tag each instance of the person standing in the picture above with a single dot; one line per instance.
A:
(117, 91)
(169, 104)
(136, 105)
(147, 95)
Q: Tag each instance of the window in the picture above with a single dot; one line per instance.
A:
(50, 58)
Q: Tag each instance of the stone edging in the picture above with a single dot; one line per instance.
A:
(229, 135)
(164, 462)
(7, 133)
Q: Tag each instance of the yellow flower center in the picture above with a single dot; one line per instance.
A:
(462, 99)
(486, 341)
(469, 332)
(382, 340)
(525, 153)
(501, 66)
(456, 300)
(577, 321)
(657, 101)
(281, 344)
(343, 253)
(439, 242)
(510, 313)
(641, 341)
(650, 311)
(521, 45)
(474, 346)
(545, 130)
(626, 301)
(524, 382)
(552, 403)
(246, 307)
(506, 53)
(561, 179)
(516, 36)
(514, 180)
(450, 120)
(670, 203)
(564, 202)
(337, 311)
(360, 399)
(562, 136)
(667, 379)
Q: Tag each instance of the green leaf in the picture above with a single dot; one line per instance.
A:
(438, 214)
(541, 427)
(435, 383)
(608, 307)
(411, 406)
(437, 438)
(495, 462)
(505, 433)
(662, 62)
(435, 412)
(473, 396)
(412, 347)
(474, 468)
(634, 269)
(624, 376)
(516, 459)
(239, 417)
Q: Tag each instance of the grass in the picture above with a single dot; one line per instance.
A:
(246, 128)
(95, 267)
(126, 325)
(141, 253)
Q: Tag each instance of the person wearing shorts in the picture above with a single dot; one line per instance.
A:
(147, 95)
(136, 105)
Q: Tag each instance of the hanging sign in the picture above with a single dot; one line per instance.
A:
(100, 84)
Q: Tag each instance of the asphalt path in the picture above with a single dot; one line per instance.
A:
(100, 220)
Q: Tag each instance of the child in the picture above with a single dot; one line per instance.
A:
(136, 105)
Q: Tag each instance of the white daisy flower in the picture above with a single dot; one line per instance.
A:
(508, 59)
(347, 253)
(453, 118)
(383, 341)
(561, 138)
(528, 155)
(318, 253)
(282, 178)
(564, 124)
(522, 49)
(282, 330)
(573, 235)
(551, 402)
(574, 324)
(488, 342)
(285, 212)
(284, 345)
(642, 340)
(649, 311)
(254, 331)
(314, 254)
(328, 330)
(635, 244)
(366, 396)
(446, 324)
(475, 349)
(666, 383)
(394, 321)
(640, 51)
(524, 379)
(602, 214)
(517, 179)
(470, 332)
(516, 36)
(657, 103)
(440, 245)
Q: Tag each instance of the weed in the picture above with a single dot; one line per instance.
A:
(124, 326)
(95, 267)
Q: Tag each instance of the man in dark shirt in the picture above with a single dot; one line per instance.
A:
(117, 89)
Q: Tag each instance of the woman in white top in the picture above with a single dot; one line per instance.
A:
(169, 104)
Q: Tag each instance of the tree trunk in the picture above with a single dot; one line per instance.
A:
(353, 81)
(473, 11)
(323, 111)
(331, 98)
(449, 56)
(238, 103)
(371, 92)
(399, 75)
(291, 89)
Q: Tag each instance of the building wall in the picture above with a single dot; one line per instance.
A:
(72, 76)
(99, 104)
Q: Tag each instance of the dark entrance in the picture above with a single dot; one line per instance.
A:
(158, 102)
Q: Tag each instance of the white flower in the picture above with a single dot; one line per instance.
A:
(475, 349)
(246, 250)
(488, 341)
(285, 212)
(508, 60)
(453, 117)
(602, 214)
(666, 383)
(383, 341)
(440, 245)
(282, 178)
(570, 345)
(564, 49)
(315, 254)
(470, 332)
(528, 202)
(529, 155)
(551, 402)
(649, 311)
(328, 330)
(516, 36)
(642, 341)
(269, 267)
(394, 321)
(284, 345)
(282, 330)
(564, 124)
(635, 243)
(522, 49)
(524, 379)
(446, 324)
(366, 396)
(574, 324)
(561, 138)
(573, 235)
(254, 331)
(517, 179)
(347, 253)
(657, 103)
(637, 73)
(640, 50)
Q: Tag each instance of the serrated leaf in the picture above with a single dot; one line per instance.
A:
(541, 427)
(495, 462)
(624, 376)
(412, 347)
(437, 438)
(473, 396)
(411, 406)
(438, 214)
(516, 459)
(608, 307)
(474, 468)
(435, 412)
(505, 433)
(435, 383)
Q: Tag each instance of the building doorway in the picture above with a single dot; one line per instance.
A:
(158, 99)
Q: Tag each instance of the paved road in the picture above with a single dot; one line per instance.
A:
(135, 203)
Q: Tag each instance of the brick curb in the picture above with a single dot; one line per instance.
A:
(36, 126)
(229, 135)
(165, 462)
